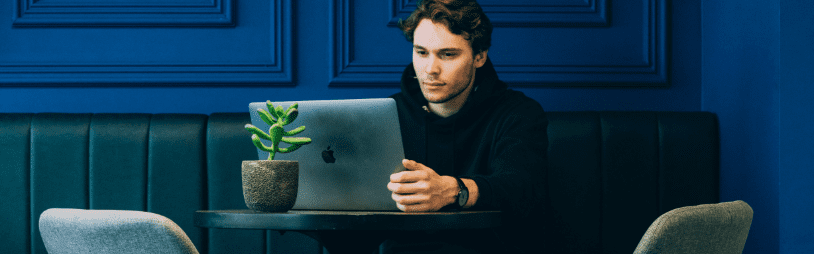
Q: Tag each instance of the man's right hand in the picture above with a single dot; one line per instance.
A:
(421, 189)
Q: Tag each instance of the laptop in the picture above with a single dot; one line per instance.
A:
(355, 146)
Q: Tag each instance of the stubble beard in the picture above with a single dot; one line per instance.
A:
(454, 94)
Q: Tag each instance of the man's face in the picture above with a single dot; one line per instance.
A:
(443, 62)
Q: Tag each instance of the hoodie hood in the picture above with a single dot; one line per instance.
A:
(486, 86)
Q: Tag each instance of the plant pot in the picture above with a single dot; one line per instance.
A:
(270, 186)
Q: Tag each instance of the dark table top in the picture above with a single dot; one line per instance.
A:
(307, 220)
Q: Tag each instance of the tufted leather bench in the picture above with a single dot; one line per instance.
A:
(610, 174)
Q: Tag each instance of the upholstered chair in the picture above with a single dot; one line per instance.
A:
(710, 228)
(111, 231)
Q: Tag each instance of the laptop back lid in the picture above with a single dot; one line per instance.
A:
(355, 146)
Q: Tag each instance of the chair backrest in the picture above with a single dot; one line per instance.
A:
(111, 231)
(710, 228)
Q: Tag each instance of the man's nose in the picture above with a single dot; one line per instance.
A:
(433, 67)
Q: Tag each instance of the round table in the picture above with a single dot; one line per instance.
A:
(346, 231)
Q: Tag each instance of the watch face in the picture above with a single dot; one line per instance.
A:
(462, 198)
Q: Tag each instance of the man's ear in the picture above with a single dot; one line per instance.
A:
(480, 58)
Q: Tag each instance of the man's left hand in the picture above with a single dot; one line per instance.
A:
(420, 189)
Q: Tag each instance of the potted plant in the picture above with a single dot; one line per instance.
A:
(271, 185)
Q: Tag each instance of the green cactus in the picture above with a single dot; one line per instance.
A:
(277, 118)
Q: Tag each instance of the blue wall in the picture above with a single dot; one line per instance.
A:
(796, 126)
(757, 76)
(740, 85)
(314, 52)
(748, 61)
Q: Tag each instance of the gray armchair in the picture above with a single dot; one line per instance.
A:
(710, 228)
(111, 231)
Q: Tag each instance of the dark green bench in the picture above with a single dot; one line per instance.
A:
(610, 174)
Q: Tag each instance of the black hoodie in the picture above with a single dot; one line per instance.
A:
(498, 139)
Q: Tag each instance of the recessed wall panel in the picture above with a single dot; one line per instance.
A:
(533, 13)
(628, 50)
(256, 50)
(123, 13)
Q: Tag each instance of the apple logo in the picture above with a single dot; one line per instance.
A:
(328, 155)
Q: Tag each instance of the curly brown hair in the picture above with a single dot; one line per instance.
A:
(461, 17)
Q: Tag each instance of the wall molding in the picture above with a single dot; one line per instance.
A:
(652, 73)
(276, 71)
(346, 72)
(580, 13)
(63, 13)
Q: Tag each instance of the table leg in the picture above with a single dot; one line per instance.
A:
(347, 241)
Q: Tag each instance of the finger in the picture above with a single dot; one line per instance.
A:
(400, 188)
(413, 165)
(407, 188)
(399, 168)
(397, 178)
(412, 199)
(408, 176)
(401, 207)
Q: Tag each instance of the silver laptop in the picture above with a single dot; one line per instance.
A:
(355, 146)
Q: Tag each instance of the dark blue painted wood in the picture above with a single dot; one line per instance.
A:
(258, 51)
(589, 49)
(632, 51)
(741, 74)
(354, 64)
(527, 13)
(795, 124)
(124, 13)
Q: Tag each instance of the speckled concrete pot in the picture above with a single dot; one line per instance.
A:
(270, 186)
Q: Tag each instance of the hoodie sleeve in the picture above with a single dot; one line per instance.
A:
(518, 160)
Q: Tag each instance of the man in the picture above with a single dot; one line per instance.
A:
(470, 143)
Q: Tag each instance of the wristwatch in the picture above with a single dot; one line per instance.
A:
(463, 195)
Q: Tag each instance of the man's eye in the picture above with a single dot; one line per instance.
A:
(421, 52)
(448, 55)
